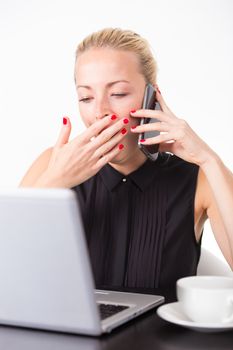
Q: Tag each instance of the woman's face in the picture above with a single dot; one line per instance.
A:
(109, 81)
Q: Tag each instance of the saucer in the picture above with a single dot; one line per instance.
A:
(173, 313)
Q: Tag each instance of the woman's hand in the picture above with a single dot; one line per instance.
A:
(74, 162)
(176, 135)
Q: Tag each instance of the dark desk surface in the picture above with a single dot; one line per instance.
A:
(146, 332)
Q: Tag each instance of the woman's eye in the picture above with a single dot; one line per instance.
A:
(85, 99)
(119, 95)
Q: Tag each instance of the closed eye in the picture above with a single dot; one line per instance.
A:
(87, 99)
(120, 95)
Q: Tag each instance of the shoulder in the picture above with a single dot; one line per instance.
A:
(37, 168)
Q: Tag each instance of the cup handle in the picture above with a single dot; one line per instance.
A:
(230, 304)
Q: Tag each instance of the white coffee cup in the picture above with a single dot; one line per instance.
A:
(206, 299)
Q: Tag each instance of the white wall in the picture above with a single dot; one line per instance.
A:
(192, 41)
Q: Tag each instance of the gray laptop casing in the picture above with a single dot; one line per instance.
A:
(45, 272)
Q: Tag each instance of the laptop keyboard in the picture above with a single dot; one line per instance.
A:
(107, 310)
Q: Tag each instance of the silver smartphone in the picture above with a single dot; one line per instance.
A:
(149, 102)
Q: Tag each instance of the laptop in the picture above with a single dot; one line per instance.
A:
(45, 271)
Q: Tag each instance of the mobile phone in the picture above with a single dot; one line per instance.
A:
(149, 102)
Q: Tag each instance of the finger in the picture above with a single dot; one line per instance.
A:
(109, 132)
(95, 129)
(108, 146)
(150, 113)
(106, 158)
(64, 133)
(157, 126)
(166, 137)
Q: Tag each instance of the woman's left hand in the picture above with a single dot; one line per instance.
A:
(176, 136)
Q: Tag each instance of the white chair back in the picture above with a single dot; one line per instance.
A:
(210, 264)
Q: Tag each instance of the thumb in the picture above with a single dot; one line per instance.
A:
(64, 133)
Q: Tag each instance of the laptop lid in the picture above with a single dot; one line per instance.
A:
(45, 273)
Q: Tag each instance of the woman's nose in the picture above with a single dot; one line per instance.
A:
(102, 108)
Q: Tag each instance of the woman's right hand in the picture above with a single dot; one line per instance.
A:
(72, 163)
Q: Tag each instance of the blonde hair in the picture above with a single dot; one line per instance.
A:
(126, 40)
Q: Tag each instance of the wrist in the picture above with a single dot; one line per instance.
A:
(47, 180)
(210, 161)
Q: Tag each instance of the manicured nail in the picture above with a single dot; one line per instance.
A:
(133, 111)
(113, 117)
(64, 120)
(125, 121)
(121, 146)
(124, 131)
(142, 140)
(133, 127)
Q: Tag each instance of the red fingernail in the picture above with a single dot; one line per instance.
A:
(121, 146)
(133, 111)
(124, 131)
(133, 127)
(64, 120)
(113, 117)
(125, 121)
(142, 140)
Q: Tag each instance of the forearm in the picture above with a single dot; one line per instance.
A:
(46, 181)
(220, 180)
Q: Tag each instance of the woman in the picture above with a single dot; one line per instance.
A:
(144, 220)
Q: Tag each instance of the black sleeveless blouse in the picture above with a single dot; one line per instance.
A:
(140, 228)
